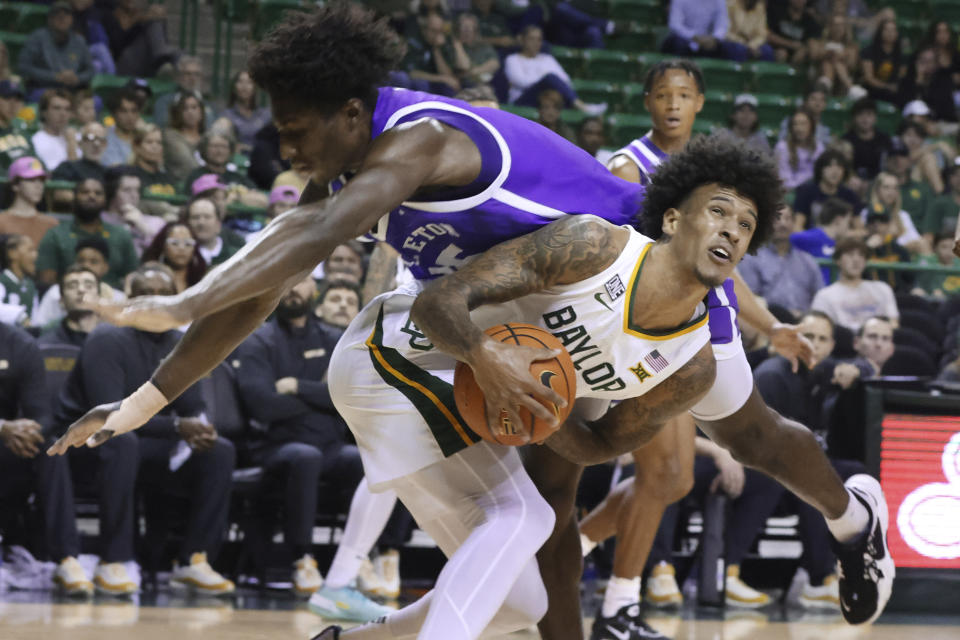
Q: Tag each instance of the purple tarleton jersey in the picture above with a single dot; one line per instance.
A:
(721, 301)
(529, 177)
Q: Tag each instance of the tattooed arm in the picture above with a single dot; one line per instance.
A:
(570, 250)
(632, 423)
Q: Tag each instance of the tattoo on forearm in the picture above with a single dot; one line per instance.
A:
(566, 251)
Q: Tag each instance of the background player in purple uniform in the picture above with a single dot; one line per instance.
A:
(321, 71)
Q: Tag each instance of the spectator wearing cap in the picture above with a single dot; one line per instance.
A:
(282, 199)
(177, 247)
(870, 146)
(137, 34)
(56, 56)
(93, 143)
(13, 143)
(882, 243)
(216, 150)
(833, 224)
(748, 32)
(851, 300)
(744, 125)
(183, 135)
(125, 106)
(926, 81)
(91, 253)
(942, 213)
(189, 80)
(122, 189)
(830, 172)
(57, 249)
(27, 178)
(18, 262)
(205, 220)
(77, 285)
(56, 141)
(780, 273)
(243, 113)
(915, 196)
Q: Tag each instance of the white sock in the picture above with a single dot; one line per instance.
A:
(620, 593)
(852, 523)
(586, 545)
(346, 564)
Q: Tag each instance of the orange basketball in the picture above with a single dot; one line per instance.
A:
(558, 373)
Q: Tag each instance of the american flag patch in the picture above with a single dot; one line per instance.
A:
(656, 361)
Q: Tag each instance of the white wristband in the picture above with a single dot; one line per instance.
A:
(135, 410)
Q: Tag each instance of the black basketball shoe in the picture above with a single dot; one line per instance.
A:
(626, 624)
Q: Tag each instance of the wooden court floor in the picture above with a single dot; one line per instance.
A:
(127, 621)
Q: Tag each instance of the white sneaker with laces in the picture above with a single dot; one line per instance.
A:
(199, 577)
(662, 589)
(369, 581)
(70, 578)
(388, 568)
(112, 579)
(826, 596)
(306, 576)
(740, 594)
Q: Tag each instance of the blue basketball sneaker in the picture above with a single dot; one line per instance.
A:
(345, 603)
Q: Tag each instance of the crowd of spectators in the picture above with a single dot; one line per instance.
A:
(165, 187)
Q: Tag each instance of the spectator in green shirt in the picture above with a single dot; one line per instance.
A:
(916, 196)
(474, 61)
(58, 247)
(14, 143)
(18, 261)
(939, 285)
(942, 214)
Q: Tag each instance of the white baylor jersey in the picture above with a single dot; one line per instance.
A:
(615, 359)
(395, 389)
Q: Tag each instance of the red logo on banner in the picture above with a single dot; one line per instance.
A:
(920, 475)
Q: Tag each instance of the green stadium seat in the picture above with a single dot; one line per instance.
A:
(31, 17)
(14, 42)
(773, 108)
(623, 128)
(598, 91)
(10, 12)
(572, 117)
(717, 105)
(706, 127)
(570, 58)
(637, 37)
(645, 11)
(525, 112)
(888, 117)
(724, 75)
(836, 116)
(632, 97)
(774, 77)
(612, 66)
(912, 32)
(948, 10)
(910, 9)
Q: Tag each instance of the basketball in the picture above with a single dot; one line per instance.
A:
(558, 373)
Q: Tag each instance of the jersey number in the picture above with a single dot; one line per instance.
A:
(448, 261)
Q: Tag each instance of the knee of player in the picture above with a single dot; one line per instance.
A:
(667, 476)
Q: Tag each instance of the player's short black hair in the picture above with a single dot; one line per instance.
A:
(658, 70)
(721, 160)
(323, 58)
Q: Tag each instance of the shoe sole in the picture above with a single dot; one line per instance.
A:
(189, 587)
(869, 485)
(666, 602)
(744, 604)
(818, 604)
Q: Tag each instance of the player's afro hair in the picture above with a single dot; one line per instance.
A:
(720, 160)
(324, 58)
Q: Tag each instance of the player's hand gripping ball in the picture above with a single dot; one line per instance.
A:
(557, 373)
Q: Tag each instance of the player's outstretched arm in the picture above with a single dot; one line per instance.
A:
(234, 299)
(786, 338)
(569, 250)
(632, 423)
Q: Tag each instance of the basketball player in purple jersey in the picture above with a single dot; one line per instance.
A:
(452, 180)
(674, 92)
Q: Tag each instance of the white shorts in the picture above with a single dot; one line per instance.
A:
(732, 386)
(395, 391)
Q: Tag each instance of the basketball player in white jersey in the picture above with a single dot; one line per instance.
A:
(664, 466)
(643, 340)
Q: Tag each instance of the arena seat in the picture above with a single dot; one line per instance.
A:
(910, 361)
(775, 77)
(612, 66)
(724, 75)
